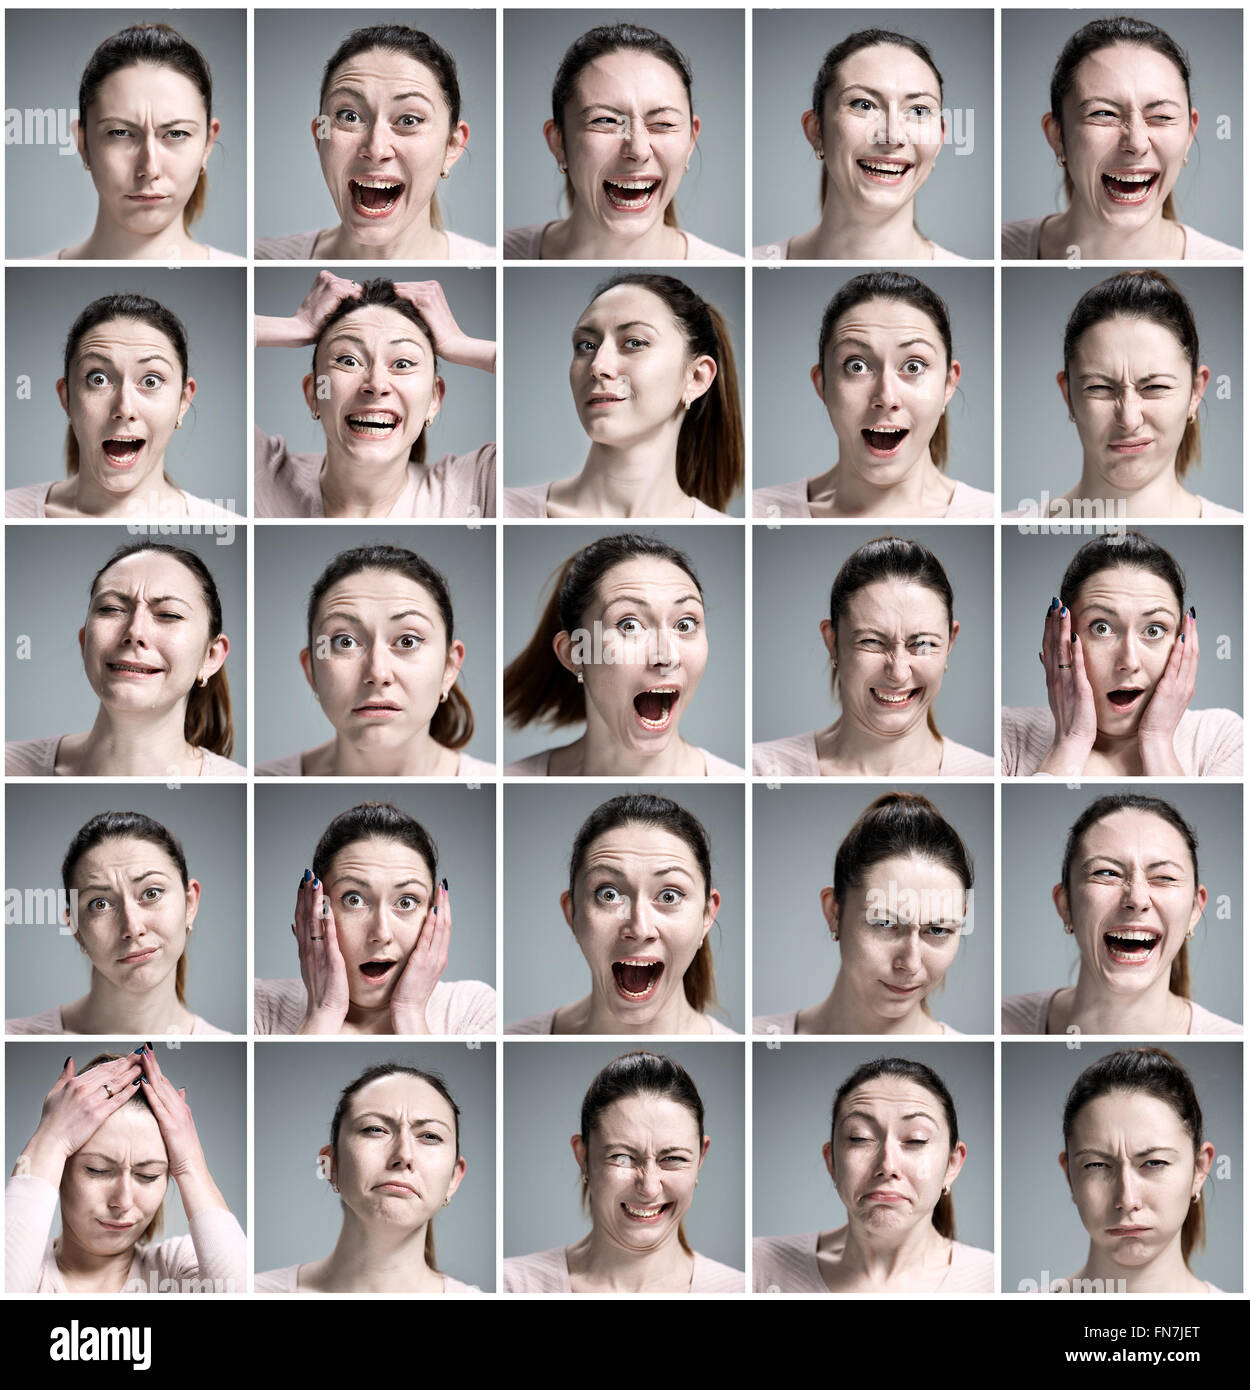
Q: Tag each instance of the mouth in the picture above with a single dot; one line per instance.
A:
(630, 195)
(132, 668)
(885, 441)
(377, 970)
(375, 197)
(1130, 446)
(400, 1189)
(901, 991)
(895, 699)
(138, 957)
(655, 708)
(1129, 188)
(146, 198)
(605, 397)
(1132, 945)
(1127, 1230)
(645, 1216)
(1125, 698)
(123, 450)
(889, 1198)
(373, 424)
(377, 709)
(888, 172)
(118, 1225)
(637, 980)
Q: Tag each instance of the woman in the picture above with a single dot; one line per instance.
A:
(373, 928)
(885, 374)
(656, 390)
(108, 1142)
(394, 1160)
(387, 129)
(619, 604)
(124, 359)
(890, 631)
(893, 1153)
(1121, 123)
(639, 1150)
(876, 125)
(1129, 892)
(902, 884)
(1120, 651)
(638, 868)
(1135, 1161)
(383, 662)
(374, 385)
(622, 131)
(134, 907)
(154, 651)
(145, 129)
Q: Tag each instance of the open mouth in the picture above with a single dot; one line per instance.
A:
(655, 707)
(885, 441)
(895, 699)
(1129, 189)
(1125, 698)
(645, 1215)
(637, 979)
(375, 197)
(377, 969)
(373, 424)
(123, 450)
(132, 668)
(886, 171)
(631, 195)
(1130, 946)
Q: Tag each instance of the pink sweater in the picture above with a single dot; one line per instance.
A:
(526, 244)
(50, 1021)
(299, 246)
(548, 1272)
(787, 1264)
(1207, 742)
(541, 1023)
(212, 1259)
(782, 1025)
(536, 766)
(790, 499)
(36, 757)
(29, 501)
(474, 769)
(1027, 1013)
(780, 251)
(532, 502)
(796, 756)
(288, 485)
(1022, 241)
(287, 1281)
(456, 1007)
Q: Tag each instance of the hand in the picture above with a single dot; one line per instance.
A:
(425, 967)
(173, 1114)
(76, 1106)
(321, 963)
(450, 343)
(1172, 694)
(1069, 693)
(327, 293)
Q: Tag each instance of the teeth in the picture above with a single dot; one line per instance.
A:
(377, 183)
(882, 168)
(632, 183)
(1131, 178)
(643, 1211)
(893, 699)
(378, 418)
(886, 429)
(1133, 935)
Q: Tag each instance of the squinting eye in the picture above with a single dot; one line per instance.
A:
(620, 1160)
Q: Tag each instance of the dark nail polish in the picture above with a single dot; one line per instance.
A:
(65, 1063)
(307, 876)
(136, 1081)
(444, 885)
(1054, 603)
(147, 1047)
(1182, 636)
(435, 913)
(1063, 612)
(144, 1080)
(316, 883)
(1193, 613)
(1074, 639)
(138, 1051)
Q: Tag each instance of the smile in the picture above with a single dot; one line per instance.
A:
(377, 969)
(637, 980)
(887, 171)
(655, 708)
(646, 1214)
(375, 197)
(373, 424)
(604, 397)
(139, 957)
(895, 699)
(1125, 699)
(1128, 188)
(1131, 945)
(123, 450)
(885, 441)
(630, 195)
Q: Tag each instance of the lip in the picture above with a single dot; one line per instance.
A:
(379, 979)
(644, 996)
(1129, 706)
(884, 1195)
(651, 1216)
(139, 956)
(661, 726)
(132, 670)
(632, 209)
(116, 1225)
(1128, 1230)
(1137, 958)
(147, 197)
(397, 1187)
(116, 465)
(375, 214)
(875, 450)
(1130, 446)
(600, 402)
(379, 438)
(1134, 200)
(377, 709)
(913, 695)
(901, 992)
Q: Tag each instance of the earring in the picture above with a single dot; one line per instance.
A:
(443, 175)
(581, 679)
(1185, 160)
(1061, 159)
(203, 682)
(442, 699)
(564, 168)
(685, 400)
(820, 154)
(1193, 417)
(446, 1199)
(178, 422)
(946, 667)
(585, 1178)
(946, 1190)
(1069, 928)
(316, 415)
(687, 169)
(835, 936)
(1189, 935)
(1196, 1196)
(429, 422)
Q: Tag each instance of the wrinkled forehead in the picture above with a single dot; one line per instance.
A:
(891, 1099)
(381, 74)
(629, 80)
(648, 1123)
(402, 1097)
(130, 1135)
(651, 579)
(899, 606)
(129, 340)
(382, 861)
(124, 855)
(380, 595)
(150, 573)
(886, 325)
(148, 88)
(644, 849)
(1127, 591)
(1132, 73)
(378, 327)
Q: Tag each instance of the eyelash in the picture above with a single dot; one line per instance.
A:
(183, 134)
(105, 1172)
(866, 1139)
(1165, 879)
(608, 888)
(350, 360)
(405, 898)
(425, 1134)
(415, 638)
(1149, 1163)
(147, 376)
(936, 933)
(588, 347)
(919, 361)
(689, 632)
(1101, 622)
(114, 608)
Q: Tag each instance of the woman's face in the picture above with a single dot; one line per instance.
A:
(891, 1155)
(1132, 900)
(380, 658)
(1133, 1174)
(632, 370)
(898, 932)
(114, 1185)
(1128, 620)
(642, 1167)
(891, 649)
(885, 383)
(396, 1159)
(133, 912)
(375, 388)
(146, 641)
(640, 911)
(124, 398)
(881, 129)
(384, 139)
(380, 892)
(628, 136)
(646, 621)
(147, 139)
(1127, 129)
(1132, 391)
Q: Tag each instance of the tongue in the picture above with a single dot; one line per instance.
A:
(1123, 186)
(882, 439)
(120, 448)
(636, 979)
(1126, 947)
(375, 197)
(652, 706)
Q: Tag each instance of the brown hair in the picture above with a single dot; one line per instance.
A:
(1152, 1072)
(641, 1074)
(1150, 296)
(375, 1073)
(1098, 810)
(1127, 550)
(919, 1075)
(157, 1223)
(535, 685)
(374, 820)
(208, 723)
(452, 724)
(658, 812)
(598, 43)
(156, 45)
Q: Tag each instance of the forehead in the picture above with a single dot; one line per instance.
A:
(1123, 337)
(145, 86)
(1129, 69)
(912, 871)
(150, 570)
(118, 337)
(657, 1120)
(387, 72)
(885, 321)
(400, 1094)
(887, 67)
(892, 1096)
(378, 323)
(628, 304)
(386, 589)
(1127, 587)
(628, 78)
(660, 580)
(1136, 1116)
(384, 858)
(124, 852)
(909, 606)
(641, 844)
(130, 1133)
(1133, 829)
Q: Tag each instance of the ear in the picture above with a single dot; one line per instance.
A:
(1063, 1163)
(555, 141)
(829, 906)
(436, 398)
(193, 901)
(1062, 379)
(711, 908)
(326, 1154)
(1203, 1160)
(1193, 128)
(828, 632)
(456, 142)
(956, 1161)
(1200, 901)
(562, 645)
(701, 375)
(1202, 379)
(77, 937)
(82, 634)
(215, 657)
(80, 139)
(309, 388)
(214, 130)
(188, 394)
(826, 1150)
(566, 906)
(457, 1176)
(579, 1151)
(306, 661)
(312, 126)
(811, 129)
(952, 380)
(1054, 137)
(62, 394)
(818, 381)
(954, 634)
(455, 660)
(695, 127)
(707, 1144)
(1060, 896)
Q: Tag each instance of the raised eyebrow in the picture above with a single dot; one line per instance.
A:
(872, 92)
(104, 357)
(645, 602)
(1145, 613)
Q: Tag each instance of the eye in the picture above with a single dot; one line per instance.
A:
(343, 642)
(687, 626)
(411, 121)
(630, 627)
(404, 364)
(1155, 630)
(346, 359)
(431, 1136)
(870, 642)
(923, 645)
(1100, 628)
(409, 642)
(620, 1160)
(880, 925)
(147, 1177)
(606, 894)
(855, 366)
(98, 1172)
(98, 905)
(1157, 387)
(373, 1129)
(671, 897)
(118, 133)
(940, 933)
(674, 1160)
(636, 343)
(922, 111)
(915, 1143)
(861, 104)
(97, 379)
(353, 900)
(1109, 873)
(584, 345)
(1090, 1166)
(153, 894)
(151, 381)
(407, 903)
(175, 617)
(177, 135)
(915, 366)
(1156, 1163)
(858, 1139)
(347, 116)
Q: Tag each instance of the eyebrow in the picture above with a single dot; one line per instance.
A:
(1104, 376)
(600, 863)
(399, 882)
(619, 328)
(1145, 613)
(616, 110)
(1113, 101)
(142, 1163)
(872, 92)
(356, 92)
(135, 878)
(906, 342)
(873, 1120)
(104, 357)
(880, 632)
(152, 602)
(350, 615)
(1119, 863)
(660, 1153)
(1141, 1153)
(392, 1120)
(135, 125)
(348, 337)
(646, 602)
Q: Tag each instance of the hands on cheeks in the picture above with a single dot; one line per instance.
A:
(321, 964)
(425, 967)
(1069, 693)
(1169, 700)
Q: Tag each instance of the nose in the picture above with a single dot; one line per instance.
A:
(137, 626)
(124, 399)
(907, 955)
(403, 1148)
(888, 1158)
(121, 1198)
(377, 380)
(636, 925)
(146, 155)
(647, 1180)
(892, 125)
(663, 651)
(603, 364)
(1135, 893)
(1126, 1198)
(1129, 655)
(898, 663)
(885, 395)
(378, 670)
(1128, 409)
(376, 144)
(381, 929)
(1133, 132)
(636, 142)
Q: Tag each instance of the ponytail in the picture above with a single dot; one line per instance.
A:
(711, 452)
(209, 723)
(195, 203)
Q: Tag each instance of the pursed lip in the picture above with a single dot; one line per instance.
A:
(138, 956)
(148, 197)
(1131, 445)
(1127, 1230)
(883, 1195)
(396, 1186)
(116, 1225)
(123, 666)
(377, 707)
(900, 989)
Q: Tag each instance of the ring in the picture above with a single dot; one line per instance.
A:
(107, 1092)
(316, 938)
(1062, 667)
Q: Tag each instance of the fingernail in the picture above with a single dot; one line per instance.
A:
(444, 885)
(65, 1063)
(1054, 603)
(1074, 639)
(435, 912)
(1193, 613)
(307, 876)
(138, 1051)
(136, 1081)
(316, 883)
(147, 1047)
(144, 1080)
(1182, 636)
(1063, 612)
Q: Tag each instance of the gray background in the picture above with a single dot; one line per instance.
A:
(289, 560)
(1208, 192)
(1036, 307)
(297, 1088)
(1036, 952)
(292, 48)
(208, 455)
(1210, 558)
(543, 965)
(790, 422)
(467, 417)
(794, 571)
(545, 440)
(290, 819)
(956, 206)
(1041, 1227)
(213, 1073)
(44, 968)
(797, 831)
(46, 52)
(544, 1083)
(710, 201)
(793, 1085)
(48, 573)
(716, 718)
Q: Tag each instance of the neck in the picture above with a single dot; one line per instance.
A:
(1121, 751)
(881, 1258)
(666, 1266)
(675, 1016)
(1166, 1273)
(844, 1012)
(374, 1020)
(1150, 1012)
(418, 242)
(638, 479)
(1161, 496)
(923, 488)
(847, 233)
(348, 490)
(867, 753)
(379, 1259)
(107, 1009)
(137, 745)
(111, 242)
(420, 756)
(84, 1270)
(600, 755)
(580, 237)
(1100, 242)
(155, 495)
